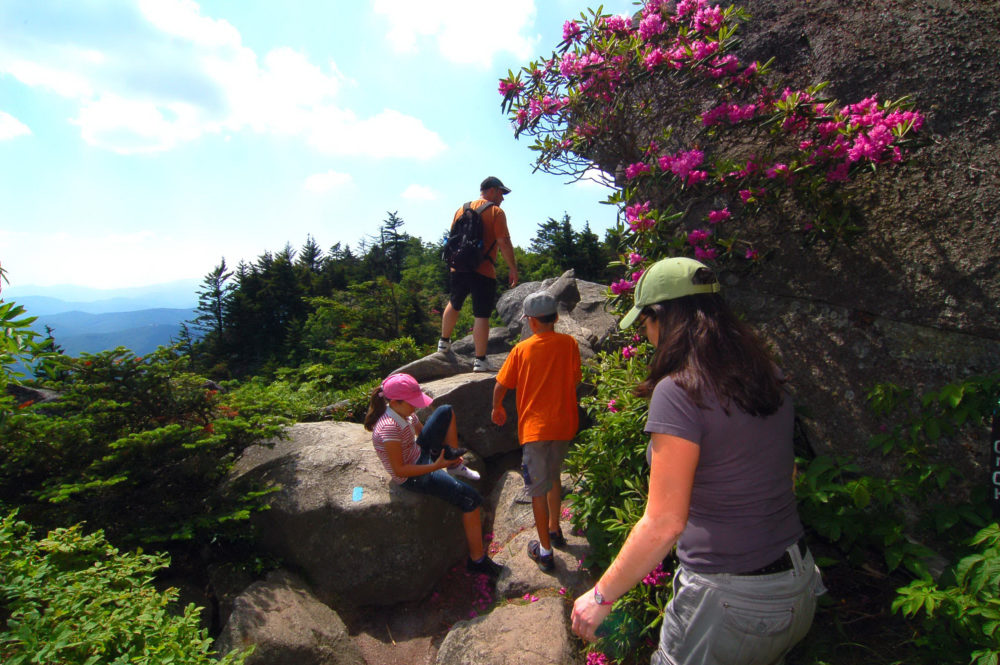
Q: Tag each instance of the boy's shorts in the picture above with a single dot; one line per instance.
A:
(541, 464)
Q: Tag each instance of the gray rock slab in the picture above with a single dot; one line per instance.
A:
(523, 576)
(287, 625)
(357, 538)
(514, 634)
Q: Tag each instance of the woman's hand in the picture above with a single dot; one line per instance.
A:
(587, 615)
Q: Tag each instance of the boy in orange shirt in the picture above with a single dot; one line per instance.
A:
(545, 371)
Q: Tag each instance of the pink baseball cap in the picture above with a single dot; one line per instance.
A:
(404, 387)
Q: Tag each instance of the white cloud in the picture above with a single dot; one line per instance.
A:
(103, 260)
(420, 193)
(11, 127)
(324, 182)
(465, 31)
(148, 75)
(595, 178)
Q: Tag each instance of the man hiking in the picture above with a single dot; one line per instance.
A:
(480, 281)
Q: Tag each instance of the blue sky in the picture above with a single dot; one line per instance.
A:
(143, 140)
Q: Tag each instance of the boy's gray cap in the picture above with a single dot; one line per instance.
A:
(539, 303)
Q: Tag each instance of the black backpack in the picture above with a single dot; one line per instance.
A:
(463, 250)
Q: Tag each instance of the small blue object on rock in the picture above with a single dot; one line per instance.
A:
(357, 494)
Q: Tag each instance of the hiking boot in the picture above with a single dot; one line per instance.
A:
(557, 539)
(444, 346)
(463, 471)
(487, 567)
(481, 366)
(546, 562)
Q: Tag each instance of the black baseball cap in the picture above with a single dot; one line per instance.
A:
(492, 182)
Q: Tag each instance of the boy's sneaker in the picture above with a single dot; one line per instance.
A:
(557, 539)
(444, 346)
(480, 366)
(487, 567)
(545, 561)
(463, 471)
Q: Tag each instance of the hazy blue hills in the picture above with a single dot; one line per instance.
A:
(87, 320)
(141, 331)
(39, 300)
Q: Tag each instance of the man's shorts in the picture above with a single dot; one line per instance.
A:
(482, 288)
(541, 464)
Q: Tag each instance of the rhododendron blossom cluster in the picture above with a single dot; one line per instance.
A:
(619, 88)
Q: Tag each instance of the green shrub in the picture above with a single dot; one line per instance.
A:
(961, 610)
(71, 598)
(136, 446)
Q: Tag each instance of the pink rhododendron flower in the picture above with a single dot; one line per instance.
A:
(656, 576)
(650, 26)
(611, 406)
(654, 58)
(745, 195)
(683, 163)
(618, 23)
(707, 19)
(752, 254)
(696, 177)
(597, 658)
(697, 237)
(637, 210)
(776, 170)
(716, 216)
(572, 31)
(570, 65)
(562, 591)
(705, 253)
(621, 286)
(628, 352)
(510, 87)
(634, 258)
(634, 170)
(701, 50)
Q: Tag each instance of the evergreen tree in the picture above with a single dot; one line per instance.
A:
(213, 300)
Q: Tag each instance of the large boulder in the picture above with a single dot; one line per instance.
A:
(534, 633)
(286, 625)
(471, 395)
(355, 536)
(582, 310)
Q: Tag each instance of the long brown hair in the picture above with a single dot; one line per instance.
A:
(376, 408)
(706, 349)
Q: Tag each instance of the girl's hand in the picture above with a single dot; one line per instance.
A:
(441, 462)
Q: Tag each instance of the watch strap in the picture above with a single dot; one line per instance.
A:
(600, 599)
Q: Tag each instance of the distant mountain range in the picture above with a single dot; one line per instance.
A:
(85, 320)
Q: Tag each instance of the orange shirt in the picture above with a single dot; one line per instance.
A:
(545, 371)
(494, 226)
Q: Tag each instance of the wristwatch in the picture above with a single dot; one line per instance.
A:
(600, 599)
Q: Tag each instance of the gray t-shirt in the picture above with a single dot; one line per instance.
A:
(742, 513)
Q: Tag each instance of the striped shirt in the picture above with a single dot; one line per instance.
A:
(393, 427)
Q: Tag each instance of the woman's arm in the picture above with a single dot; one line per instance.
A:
(671, 478)
(394, 449)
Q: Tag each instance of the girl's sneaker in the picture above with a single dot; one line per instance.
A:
(462, 471)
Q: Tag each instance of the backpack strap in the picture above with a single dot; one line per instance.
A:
(481, 209)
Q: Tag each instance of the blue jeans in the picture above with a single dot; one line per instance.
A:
(440, 483)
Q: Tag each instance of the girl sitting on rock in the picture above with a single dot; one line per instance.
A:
(416, 456)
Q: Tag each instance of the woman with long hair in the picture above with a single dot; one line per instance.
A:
(720, 484)
(418, 456)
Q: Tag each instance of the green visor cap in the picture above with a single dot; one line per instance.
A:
(667, 279)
